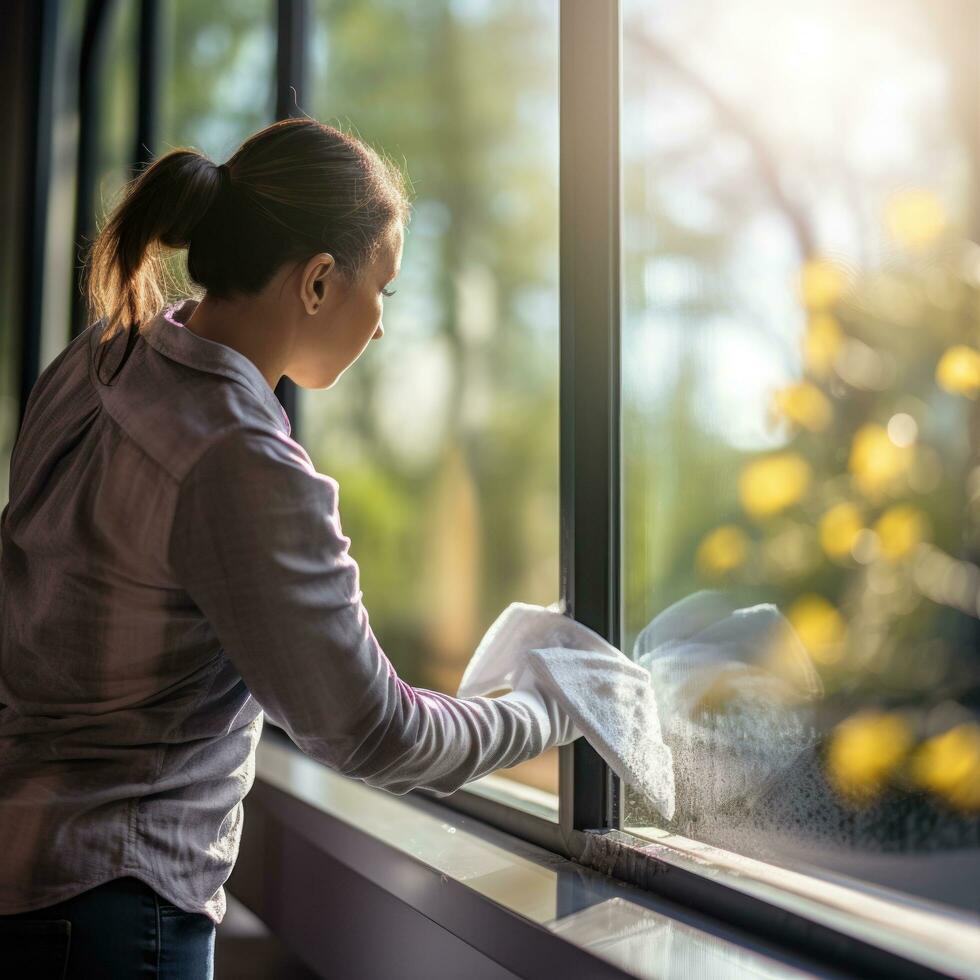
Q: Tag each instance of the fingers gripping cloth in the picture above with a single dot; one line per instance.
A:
(607, 697)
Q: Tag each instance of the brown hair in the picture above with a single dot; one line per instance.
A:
(292, 189)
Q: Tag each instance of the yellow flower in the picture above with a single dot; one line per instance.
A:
(958, 371)
(805, 404)
(915, 218)
(820, 627)
(876, 462)
(722, 549)
(949, 764)
(821, 344)
(839, 528)
(864, 750)
(900, 529)
(769, 485)
(821, 284)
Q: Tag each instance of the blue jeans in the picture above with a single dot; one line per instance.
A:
(119, 929)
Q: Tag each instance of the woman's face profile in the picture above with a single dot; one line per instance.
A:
(347, 318)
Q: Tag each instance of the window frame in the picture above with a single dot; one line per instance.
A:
(589, 828)
(44, 24)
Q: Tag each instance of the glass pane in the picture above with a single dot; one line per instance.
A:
(220, 73)
(219, 78)
(801, 377)
(118, 90)
(444, 436)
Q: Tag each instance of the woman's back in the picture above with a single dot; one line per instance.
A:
(116, 700)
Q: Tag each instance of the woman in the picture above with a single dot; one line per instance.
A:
(174, 566)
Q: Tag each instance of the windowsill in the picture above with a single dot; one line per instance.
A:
(940, 938)
(630, 890)
(916, 930)
(625, 927)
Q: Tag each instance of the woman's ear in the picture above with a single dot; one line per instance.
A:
(317, 273)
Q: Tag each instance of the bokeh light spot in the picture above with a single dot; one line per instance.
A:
(769, 485)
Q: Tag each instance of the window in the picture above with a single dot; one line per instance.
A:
(800, 427)
(444, 437)
(688, 302)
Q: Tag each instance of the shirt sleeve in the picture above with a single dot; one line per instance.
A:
(257, 544)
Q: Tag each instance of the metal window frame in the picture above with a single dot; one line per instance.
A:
(149, 86)
(43, 20)
(590, 390)
(293, 34)
(95, 38)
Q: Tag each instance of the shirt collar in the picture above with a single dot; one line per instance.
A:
(167, 333)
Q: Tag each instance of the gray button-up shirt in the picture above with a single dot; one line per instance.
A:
(172, 566)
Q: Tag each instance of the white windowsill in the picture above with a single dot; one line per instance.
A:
(613, 921)
(941, 938)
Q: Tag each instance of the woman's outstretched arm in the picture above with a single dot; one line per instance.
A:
(257, 544)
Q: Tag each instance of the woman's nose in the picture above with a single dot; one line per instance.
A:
(379, 333)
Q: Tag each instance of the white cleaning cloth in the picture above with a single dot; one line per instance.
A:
(607, 696)
(714, 705)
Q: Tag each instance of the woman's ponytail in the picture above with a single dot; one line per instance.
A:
(127, 279)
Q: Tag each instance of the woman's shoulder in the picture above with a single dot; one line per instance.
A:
(256, 458)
